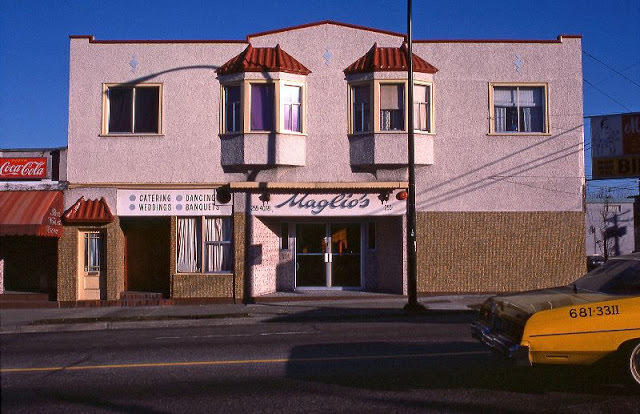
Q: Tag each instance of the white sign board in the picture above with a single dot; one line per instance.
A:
(329, 205)
(171, 203)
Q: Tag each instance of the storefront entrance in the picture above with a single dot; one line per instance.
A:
(328, 255)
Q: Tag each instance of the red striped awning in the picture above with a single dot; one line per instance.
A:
(31, 213)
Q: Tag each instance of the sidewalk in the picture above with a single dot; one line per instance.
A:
(276, 308)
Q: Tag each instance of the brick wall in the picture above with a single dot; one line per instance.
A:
(68, 260)
(498, 251)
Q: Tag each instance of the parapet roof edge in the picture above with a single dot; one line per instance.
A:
(92, 39)
(248, 38)
(320, 23)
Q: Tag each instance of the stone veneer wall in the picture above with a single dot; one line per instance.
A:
(205, 285)
(498, 251)
(68, 260)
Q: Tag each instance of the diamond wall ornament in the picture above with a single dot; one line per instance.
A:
(133, 63)
(327, 56)
(519, 63)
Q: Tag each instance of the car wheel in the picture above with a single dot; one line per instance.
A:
(634, 362)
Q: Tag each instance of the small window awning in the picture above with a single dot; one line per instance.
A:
(31, 213)
(88, 211)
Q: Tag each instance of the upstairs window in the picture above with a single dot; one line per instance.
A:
(386, 109)
(232, 108)
(132, 109)
(361, 116)
(262, 106)
(519, 109)
(391, 107)
(292, 108)
(421, 108)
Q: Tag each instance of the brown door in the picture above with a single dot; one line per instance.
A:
(147, 254)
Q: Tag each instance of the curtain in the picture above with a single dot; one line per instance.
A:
(262, 101)
(291, 99)
(420, 108)
(188, 245)
(93, 248)
(218, 244)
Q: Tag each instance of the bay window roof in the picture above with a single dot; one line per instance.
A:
(379, 59)
(263, 59)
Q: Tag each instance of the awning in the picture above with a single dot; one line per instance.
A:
(88, 211)
(31, 213)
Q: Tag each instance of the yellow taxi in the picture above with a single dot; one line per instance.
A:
(596, 316)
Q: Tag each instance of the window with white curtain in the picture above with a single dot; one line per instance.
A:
(93, 248)
(292, 108)
(519, 109)
(392, 107)
(204, 244)
(421, 109)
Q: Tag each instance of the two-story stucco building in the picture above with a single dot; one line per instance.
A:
(234, 169)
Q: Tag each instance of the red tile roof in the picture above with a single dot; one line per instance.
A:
(379, 59)
(263, 59)
(31, 213)
(88, 211)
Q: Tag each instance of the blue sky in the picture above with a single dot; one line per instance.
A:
(34, 42)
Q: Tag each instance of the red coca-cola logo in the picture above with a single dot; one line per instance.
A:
(22, 168)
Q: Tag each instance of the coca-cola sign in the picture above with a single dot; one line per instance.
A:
(23, 168)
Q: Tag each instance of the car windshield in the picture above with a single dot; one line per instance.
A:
(617, 276)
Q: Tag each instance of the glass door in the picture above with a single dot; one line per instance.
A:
(345, 254)
(328, 255)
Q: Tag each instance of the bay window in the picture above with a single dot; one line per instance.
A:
(519, 108)
(204, 245)
(385, 110)
(132, 109)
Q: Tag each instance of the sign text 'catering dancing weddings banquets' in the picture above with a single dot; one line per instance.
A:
(171, 203)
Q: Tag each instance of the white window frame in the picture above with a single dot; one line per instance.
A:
(106, 109)
(515, 85)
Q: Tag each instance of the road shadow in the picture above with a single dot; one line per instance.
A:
(354, 314)
(452, 365)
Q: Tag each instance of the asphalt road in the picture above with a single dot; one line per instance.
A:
(424, 363)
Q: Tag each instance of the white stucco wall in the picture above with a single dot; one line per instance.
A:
(471, 170)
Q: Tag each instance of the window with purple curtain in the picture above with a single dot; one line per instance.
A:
(262, 106)
(291, 107)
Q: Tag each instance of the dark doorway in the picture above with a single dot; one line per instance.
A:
(147, 246)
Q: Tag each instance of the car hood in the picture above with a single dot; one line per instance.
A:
(534, 301)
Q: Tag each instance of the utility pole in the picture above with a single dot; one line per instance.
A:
(412, 253)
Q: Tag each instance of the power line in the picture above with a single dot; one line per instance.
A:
(611, 68)
(605, 94)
